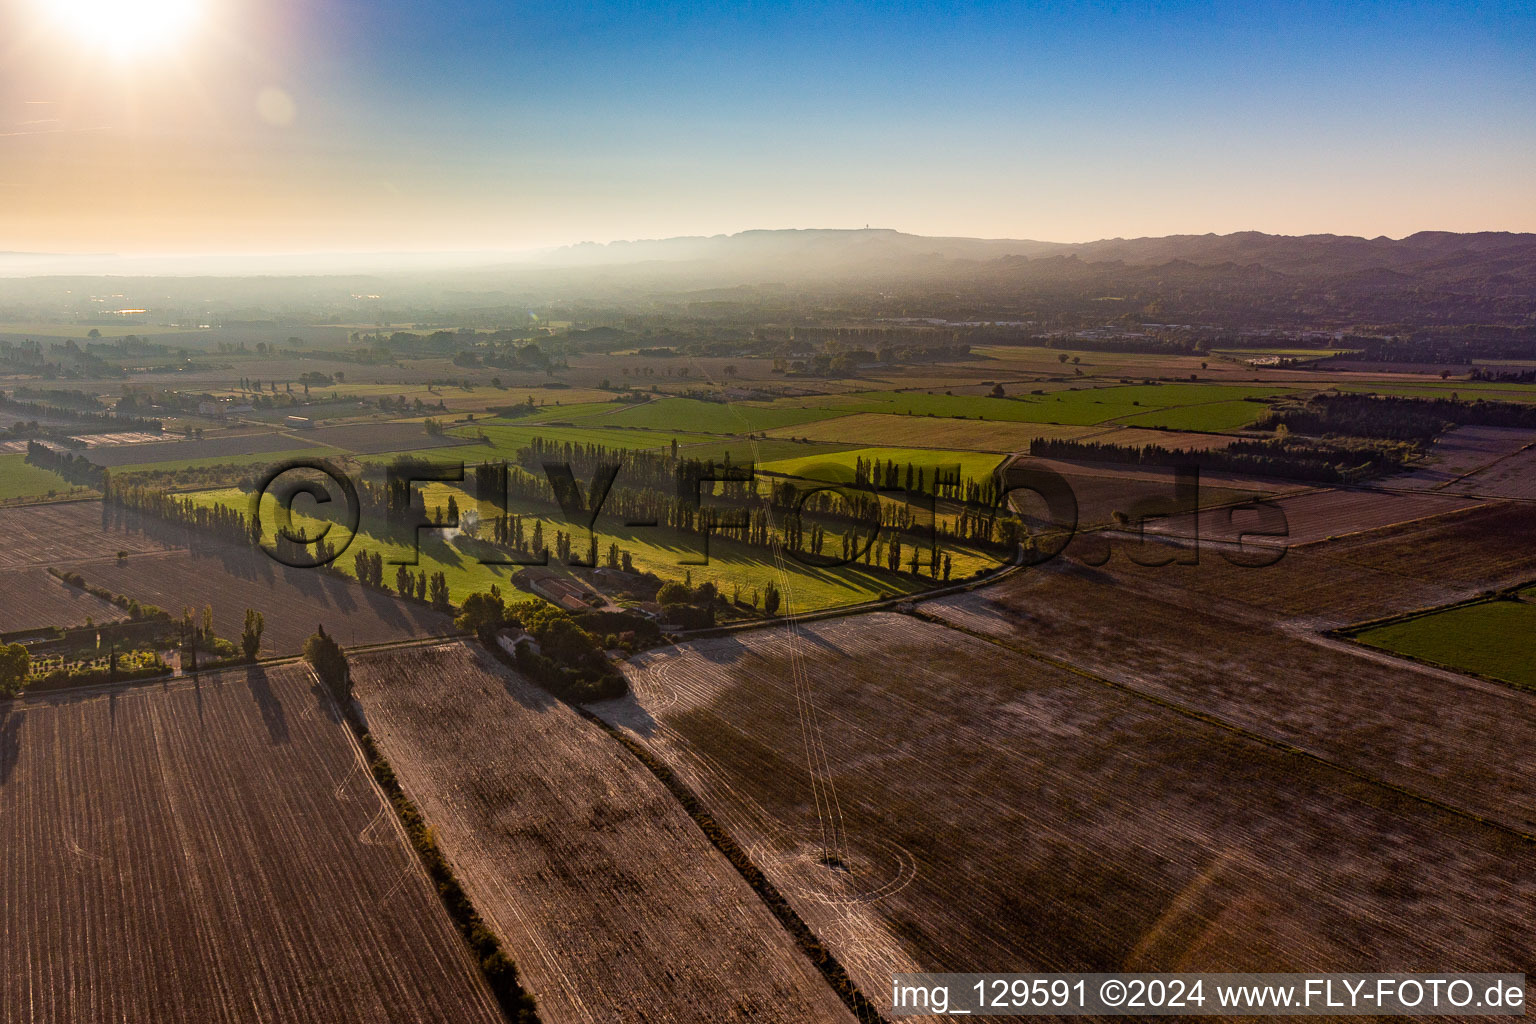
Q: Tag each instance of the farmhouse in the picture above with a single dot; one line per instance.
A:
(509, 639)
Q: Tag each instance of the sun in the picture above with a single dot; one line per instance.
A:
(125, 28)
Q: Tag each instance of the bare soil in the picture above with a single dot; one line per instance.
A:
(212, 852)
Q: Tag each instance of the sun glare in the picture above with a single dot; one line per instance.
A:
(125, 28)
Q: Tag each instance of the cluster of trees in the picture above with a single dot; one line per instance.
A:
(515, 356)
(570, 661)
(67, 360)
(15, 665)
(77, 469)
(1289, 458)
(81, 418)
(325, 656)
(419, 586)
(401, 404)
(226, 523)
(1457, 349)
(1397, 419)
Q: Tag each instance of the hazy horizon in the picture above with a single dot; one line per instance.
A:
(215, 126)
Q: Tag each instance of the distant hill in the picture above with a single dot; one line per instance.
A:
(1440, 254)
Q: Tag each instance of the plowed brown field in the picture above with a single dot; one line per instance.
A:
(611, 901)
(992, 811)
(212, 852)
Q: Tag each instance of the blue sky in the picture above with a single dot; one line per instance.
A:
(502, 125)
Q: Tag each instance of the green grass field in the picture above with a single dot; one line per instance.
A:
(663, 551)
(1494, 638)
(1212, 417)
(20, 480)
(1087, 406)
(708, 417)
(876, 429)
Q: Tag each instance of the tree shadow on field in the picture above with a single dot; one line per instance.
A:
(625, 712)
(326, 703)
(726, 650)
(527, 694)
(272, 714)
(10, 741)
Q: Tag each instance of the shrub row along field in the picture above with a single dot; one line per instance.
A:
(32, 599)
(963, 807)
(1492, 638)
(212, 851)
(610, 900)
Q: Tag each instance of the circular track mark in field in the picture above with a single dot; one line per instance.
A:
(878, 868)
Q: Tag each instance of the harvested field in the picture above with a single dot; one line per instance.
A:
(991, 808)
(162, 570)
(1513, 476)
(32, 599)
(1330, 584)
(293, 601)
(688, 414)
(610, 900)
(212, 852)
(44, 535)
(374, 438)
(1324, 515)
(1440, 735)
(1103, 488)
(189, 450)
(1460, 452)
(1483, 547)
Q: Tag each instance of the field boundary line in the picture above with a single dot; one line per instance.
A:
(1237, 730)
(1387, 656)
(880, 604)
(806, 940)
(1484, 468)
(480, 943)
